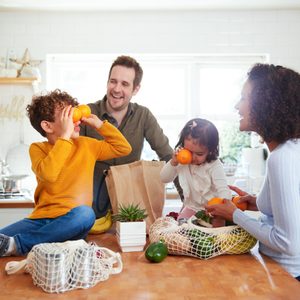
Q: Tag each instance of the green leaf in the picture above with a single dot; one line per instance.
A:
(130, 213)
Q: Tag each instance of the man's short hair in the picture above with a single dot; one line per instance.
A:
(129, 62)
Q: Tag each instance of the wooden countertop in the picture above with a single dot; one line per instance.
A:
(28, 203)
(17, 204)
(177, 277)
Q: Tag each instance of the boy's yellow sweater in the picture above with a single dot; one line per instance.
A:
(65, 170)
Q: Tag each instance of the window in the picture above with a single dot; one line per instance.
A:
(176, 88)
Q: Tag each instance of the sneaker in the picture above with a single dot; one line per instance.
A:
(4, 244)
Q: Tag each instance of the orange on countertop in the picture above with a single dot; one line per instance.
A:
(184, 156)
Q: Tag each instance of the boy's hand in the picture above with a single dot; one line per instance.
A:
(92, 121)
(66, 121)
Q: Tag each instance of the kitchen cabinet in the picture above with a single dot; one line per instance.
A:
(12, 215)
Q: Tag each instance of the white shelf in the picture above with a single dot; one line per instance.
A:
(17, 80)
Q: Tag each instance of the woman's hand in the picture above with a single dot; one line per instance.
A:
(237, 190)
(224, 210)
(245, 197)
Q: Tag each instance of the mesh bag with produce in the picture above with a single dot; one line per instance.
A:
(60, 267)
(191, 239)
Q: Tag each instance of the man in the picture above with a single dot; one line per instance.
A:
(136, 123)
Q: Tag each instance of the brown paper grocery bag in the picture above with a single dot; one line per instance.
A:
(138, 183)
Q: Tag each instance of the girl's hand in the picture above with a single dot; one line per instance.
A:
(66, 122)
(92, 121)
(224, 210)
(174, 161)
(245, 197)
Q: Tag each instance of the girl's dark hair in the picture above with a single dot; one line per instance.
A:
(205, 133)
(42, 108)
(275, 102)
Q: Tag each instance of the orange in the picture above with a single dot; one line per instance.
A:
(184, 156)
(76, 114)
(241, 206)
(214, 201)
(85, 110)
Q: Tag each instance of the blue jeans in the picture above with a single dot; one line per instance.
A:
(74, 225)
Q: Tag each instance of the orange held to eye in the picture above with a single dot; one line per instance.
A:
(85, 110)
(184, 156)
(77, 115)
(214, 201)
(241, 206)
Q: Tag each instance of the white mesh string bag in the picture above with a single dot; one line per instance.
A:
(197, 241)
(60, 267)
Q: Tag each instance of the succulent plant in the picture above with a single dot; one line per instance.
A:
(130, 213)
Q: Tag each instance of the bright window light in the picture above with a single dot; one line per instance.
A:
(219, 89)
(175, 88)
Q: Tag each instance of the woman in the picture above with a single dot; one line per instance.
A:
(270, 106)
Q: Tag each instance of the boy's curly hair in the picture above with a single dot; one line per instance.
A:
(275, 102)
(205, 132)
(42, 107)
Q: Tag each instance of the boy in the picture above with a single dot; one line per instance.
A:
(64, 167)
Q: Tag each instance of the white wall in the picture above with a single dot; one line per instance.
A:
(274, 32)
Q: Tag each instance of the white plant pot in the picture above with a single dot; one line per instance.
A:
(131, 236)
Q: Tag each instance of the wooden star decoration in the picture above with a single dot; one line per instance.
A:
(25, 62)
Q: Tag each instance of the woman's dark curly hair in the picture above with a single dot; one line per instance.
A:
(42, 107)
(275, 102)
(205, 133)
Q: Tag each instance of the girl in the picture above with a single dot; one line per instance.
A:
(204, 178)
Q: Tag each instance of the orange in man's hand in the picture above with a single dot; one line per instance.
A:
(241, 206)
(214, 201)
(184, 156)
(85, 110)
(76, 114)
